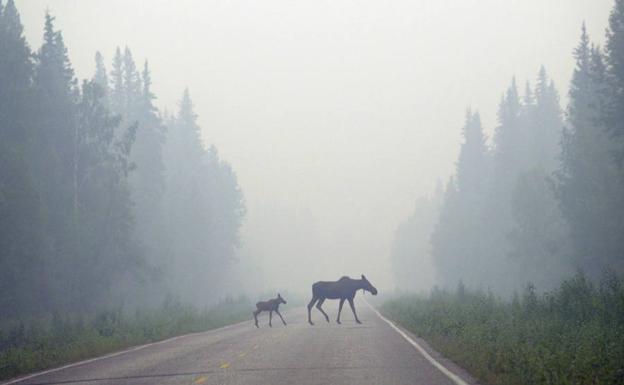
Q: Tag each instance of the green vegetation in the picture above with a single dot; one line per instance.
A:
(571, 335)
(104, 198)
(29, 346)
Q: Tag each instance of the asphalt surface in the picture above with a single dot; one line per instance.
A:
(370, 353)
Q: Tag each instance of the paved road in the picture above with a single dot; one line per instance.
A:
(371, 353)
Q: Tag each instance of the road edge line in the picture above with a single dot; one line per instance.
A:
(452, 376)
(114, 354)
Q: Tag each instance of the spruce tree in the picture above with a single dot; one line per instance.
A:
(539, 242)
(100, 77)
(106, 231)
(614, 116)
(55, 161)
(590, 189)
(15, 76)
(545, 127)
(509, 131)
(508, 159)
(448, 254)
(204, 206)
(131, 85)
(22, 236)
(458, 238)
(118, 101)
(472, 165)
(186, 211)
(147, 180)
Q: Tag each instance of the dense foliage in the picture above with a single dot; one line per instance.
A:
(103, 199)
(57, 339)
(573, 334)
(542, 198)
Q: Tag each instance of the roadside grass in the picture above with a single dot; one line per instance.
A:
(26, 347)
(571, 335)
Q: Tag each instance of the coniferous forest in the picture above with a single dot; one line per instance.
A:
(543, 198)
(121, 223)
(104, 199)
(527, 237)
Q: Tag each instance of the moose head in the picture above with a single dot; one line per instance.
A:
(281, 299)
(366, 285)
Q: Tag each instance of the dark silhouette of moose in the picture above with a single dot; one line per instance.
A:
(343, 289)
(271, 306)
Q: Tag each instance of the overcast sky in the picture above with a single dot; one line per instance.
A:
(336, 115)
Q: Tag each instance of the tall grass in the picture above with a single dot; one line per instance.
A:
(58, 339)
(571, 335)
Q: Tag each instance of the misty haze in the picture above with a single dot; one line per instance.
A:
(176, 175)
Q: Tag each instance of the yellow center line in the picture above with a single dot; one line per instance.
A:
(243, 354)
(201, 380)
(225, 365)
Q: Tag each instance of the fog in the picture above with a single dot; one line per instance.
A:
(336, 116)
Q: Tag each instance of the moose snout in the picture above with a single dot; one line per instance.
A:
(374, 291)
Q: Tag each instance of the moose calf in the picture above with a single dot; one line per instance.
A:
(271, 306)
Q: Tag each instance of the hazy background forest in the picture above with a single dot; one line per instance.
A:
(541, 198)
(200, 150)
(106, 200)
(164, 164)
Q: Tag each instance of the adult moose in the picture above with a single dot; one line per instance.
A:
(271, 306)
(343, 289)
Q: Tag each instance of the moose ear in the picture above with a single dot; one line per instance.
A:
(279, 295)
(363, 277)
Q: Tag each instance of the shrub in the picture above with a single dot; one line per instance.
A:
(571, 335)
(44, 343)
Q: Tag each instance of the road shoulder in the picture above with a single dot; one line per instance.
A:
(455, 370)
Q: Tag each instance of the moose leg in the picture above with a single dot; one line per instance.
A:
(318, 306)
(255, 313)
(340, 309)
(353, 310)
(312, 302)
(280, 315)
(270, 318)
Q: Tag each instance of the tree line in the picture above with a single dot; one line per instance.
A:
(544, 197)
(104, 199)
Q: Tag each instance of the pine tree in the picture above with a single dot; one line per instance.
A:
(590, 189)
(106, 230)
(82, 184)
(56, 88)
(615, 59)
(457, 240)
(545, 126)
(529, 98)
(22, 239)
(55, 160)
(186, 211)
(189, 130)
(580, 108)
(509, 149)
(148, 180)
(100, 77)
(131, 85)
(448, 254)
(539, 238)
(15, 76)
(472, 165)
(118, 101)
(507, 141)
(148, 95)
(203, 194)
